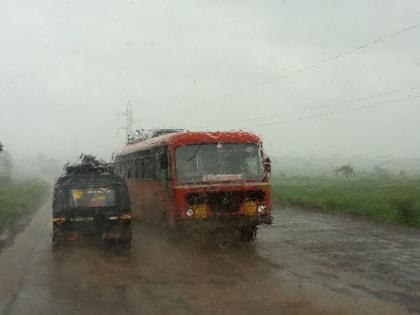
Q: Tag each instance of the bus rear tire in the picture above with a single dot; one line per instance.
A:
(248, 233)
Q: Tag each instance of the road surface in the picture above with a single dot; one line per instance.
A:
(305, 263)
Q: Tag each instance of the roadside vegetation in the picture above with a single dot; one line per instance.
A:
(379, 196)
(19, 198)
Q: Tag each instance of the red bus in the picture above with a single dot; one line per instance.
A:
(199, 179)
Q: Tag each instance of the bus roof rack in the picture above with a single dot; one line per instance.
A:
(146, 134)
(160, 132)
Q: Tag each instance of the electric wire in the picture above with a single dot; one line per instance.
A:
(352, 109)
(348, 101)
(332, 58)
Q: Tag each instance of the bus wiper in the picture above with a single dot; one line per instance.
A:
(195, 153)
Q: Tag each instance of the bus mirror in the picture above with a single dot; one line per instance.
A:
(267, 165)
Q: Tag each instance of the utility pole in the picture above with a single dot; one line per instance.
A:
(128, 114)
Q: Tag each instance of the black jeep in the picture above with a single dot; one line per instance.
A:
(90, 200)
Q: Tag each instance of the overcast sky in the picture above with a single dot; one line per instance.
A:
(67, 68)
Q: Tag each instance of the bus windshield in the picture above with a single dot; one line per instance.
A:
(218, 162)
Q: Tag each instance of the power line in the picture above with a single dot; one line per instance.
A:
(332, 113)
(342, 54)
(346, 101)
(363, 98)
(373, 42)
(308, 117)
(311, 66)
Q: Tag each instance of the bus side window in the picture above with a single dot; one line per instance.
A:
(148, 165)
(125, 168)
(122, 168)
(129, 169)
(135, 170)
(117, 167)
(138, 168)
(162, 164)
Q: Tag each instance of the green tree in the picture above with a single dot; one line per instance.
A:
(346, 171)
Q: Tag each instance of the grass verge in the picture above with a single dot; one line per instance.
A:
(393, 200)
(20, 198)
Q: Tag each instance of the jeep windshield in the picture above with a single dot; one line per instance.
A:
(218, 162)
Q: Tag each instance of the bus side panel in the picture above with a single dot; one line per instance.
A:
(159, 201)
(166, 201)
(145, 200)
(135, 191)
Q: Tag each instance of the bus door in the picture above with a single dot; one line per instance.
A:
(163, 197)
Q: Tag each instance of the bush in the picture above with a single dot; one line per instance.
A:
(407, 211)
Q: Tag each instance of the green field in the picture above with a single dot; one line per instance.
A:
(20, 198)
(391, 199)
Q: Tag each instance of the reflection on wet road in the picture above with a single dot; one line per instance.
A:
(306, 263)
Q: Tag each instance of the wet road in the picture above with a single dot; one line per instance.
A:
(306, 263)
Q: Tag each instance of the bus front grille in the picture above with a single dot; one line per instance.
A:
(225, 201)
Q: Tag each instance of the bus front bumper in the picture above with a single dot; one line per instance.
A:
(224, 222)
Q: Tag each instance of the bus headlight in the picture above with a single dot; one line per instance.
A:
(190, 212)
(261, 209)
(200, 211)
